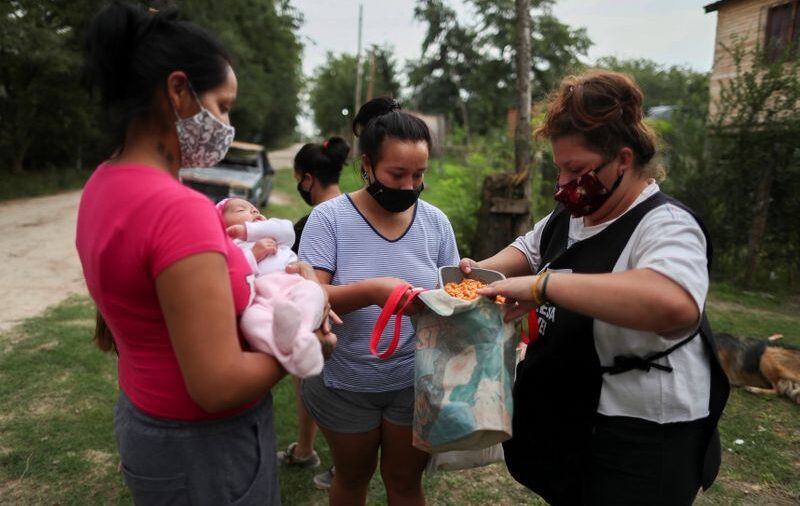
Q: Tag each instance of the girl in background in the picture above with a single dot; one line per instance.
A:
(317, 168)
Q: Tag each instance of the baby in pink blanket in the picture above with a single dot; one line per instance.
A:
(286, 307)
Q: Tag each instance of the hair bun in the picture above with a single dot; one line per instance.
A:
(337, 149)
(375, 108)
(605, 107)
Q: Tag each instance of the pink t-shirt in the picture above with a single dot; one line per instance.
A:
(133, 222)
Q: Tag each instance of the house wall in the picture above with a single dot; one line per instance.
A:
(437, 124)
(737, 20)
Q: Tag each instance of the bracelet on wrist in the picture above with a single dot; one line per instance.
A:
(537, 298)
(534, 293)
(543, 293)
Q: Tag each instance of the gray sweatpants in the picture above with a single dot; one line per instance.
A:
(219, 462)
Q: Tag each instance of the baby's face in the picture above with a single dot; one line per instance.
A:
(239, 211)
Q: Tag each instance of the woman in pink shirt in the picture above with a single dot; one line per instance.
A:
(193, 421)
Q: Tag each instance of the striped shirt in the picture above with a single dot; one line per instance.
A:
(338, 239)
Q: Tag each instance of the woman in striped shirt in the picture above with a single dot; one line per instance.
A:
(362, 245)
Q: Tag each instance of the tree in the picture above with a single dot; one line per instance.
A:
(505, 196)
(263, 37)
(449, 57)
(753, 175)
(467, 69)
(49, 121)
(43, 110)
(661, 85)
(334, 82)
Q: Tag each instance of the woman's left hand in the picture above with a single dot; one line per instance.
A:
(518, 292)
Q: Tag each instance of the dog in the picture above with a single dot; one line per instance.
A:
(761, 366)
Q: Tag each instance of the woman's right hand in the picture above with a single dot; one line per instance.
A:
(383, 287)
(518, 293)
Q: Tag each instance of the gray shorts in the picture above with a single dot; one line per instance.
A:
(355, 412)
(219, 462)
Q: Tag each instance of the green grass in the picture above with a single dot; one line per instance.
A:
(765, 468)
(57, 394)
(44, 182)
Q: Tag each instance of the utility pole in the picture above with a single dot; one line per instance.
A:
(522, 133)
(359, 65)
(371, 75)
(505, 197)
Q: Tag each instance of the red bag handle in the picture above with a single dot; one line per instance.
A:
(533, 328)
(391, 305)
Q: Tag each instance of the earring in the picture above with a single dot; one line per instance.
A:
(363, 173)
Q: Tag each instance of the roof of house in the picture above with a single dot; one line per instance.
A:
(714, 5)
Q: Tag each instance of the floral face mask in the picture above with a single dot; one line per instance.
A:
(585, 194)
(204, 140)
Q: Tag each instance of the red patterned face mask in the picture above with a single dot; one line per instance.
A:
(585, 194)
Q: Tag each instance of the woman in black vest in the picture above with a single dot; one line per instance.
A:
(618, 398)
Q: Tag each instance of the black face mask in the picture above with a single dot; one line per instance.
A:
(305, 194)
(391, 199)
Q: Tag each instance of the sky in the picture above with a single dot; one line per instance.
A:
(670, 32)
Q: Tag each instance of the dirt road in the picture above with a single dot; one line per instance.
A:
(40, 266)
(37, 249)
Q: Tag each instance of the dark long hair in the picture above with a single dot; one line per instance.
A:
(382, 117)
(128, 54)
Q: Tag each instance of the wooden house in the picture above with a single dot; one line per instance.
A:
(769, 24)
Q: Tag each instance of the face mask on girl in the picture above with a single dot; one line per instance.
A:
(305, 194)
(392, 199)
(204, 140)
(584, 195)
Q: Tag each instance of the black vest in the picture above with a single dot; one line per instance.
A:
(557, 388)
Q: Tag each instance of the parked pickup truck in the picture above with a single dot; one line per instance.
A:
(245, 172)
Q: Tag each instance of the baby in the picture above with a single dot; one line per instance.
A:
(287, 307)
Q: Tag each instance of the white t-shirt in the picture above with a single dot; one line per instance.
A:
(668, 240)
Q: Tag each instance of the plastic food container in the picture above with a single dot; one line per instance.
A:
(452, 274)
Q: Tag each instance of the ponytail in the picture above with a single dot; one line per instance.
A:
(128, 54)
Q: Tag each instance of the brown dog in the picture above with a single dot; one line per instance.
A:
(760, 365)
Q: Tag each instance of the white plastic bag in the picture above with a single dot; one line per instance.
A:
(464, 459)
